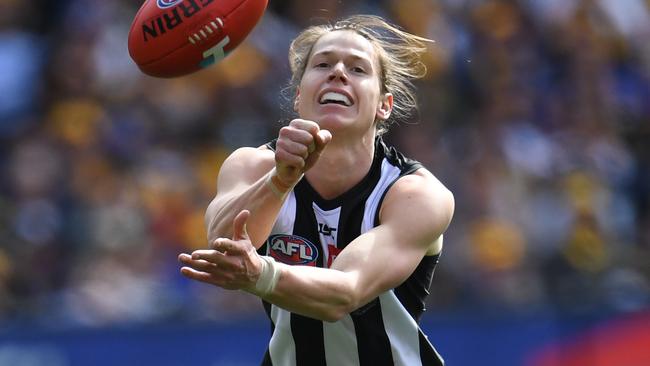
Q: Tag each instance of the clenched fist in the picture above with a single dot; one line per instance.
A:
(298, 148)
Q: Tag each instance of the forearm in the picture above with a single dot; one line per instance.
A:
(262, 202)
(319, 293)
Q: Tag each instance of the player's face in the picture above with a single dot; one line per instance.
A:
(341, 84)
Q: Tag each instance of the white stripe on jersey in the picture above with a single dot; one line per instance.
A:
(388, 175)
(402, 331)
(340, 342)
(331, 219)
(282, 347)
(284, 221)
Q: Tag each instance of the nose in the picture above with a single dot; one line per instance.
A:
(338, 72)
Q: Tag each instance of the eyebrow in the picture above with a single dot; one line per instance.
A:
(353, 56)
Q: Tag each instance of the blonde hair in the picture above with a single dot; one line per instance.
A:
(398, 55)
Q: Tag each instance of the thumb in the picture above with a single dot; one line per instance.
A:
(239, 226)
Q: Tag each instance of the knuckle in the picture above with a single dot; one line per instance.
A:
(281, 156)
(301, 150)
(304, 124)
(280, 148)
(284, 132)
(297, 161)
(297, 122)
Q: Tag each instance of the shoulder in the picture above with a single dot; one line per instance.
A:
(248, 163)
(420, 202)
(250, 156)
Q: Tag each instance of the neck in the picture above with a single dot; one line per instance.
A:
(342, 165)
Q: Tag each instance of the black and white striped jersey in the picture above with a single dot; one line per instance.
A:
(312, 231)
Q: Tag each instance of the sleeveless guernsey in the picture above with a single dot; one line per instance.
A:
(312, 231)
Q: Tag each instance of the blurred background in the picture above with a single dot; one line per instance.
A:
(535, 113)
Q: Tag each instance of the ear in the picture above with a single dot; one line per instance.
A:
(296, 100)
(385, 107)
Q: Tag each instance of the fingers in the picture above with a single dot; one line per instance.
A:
(290, 154)
(210, 260)
(210, 255)
(299, 149)
(317, 139)
(210, 278)
(199, 270)
(225, 246)
(310, 127)
(199, 264)
(196, 275)
(299, 146)
(225, 272)
(299, 131)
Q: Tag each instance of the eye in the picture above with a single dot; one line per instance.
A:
(322, 65)
(358, 69)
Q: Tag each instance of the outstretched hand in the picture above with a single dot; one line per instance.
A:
(232, 264)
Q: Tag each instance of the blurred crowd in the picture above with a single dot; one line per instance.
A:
(535, 113)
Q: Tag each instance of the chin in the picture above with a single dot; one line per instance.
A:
(333, 124)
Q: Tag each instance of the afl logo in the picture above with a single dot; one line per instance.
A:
(292, 249)
(164, 4)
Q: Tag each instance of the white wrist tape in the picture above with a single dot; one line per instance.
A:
(269, 277)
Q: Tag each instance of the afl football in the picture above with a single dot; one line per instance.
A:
(171, 38)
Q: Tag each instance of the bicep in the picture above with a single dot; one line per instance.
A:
(414, 215)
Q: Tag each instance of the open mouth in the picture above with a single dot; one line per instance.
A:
(335, 98)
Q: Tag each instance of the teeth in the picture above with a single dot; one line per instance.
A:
(334, 97)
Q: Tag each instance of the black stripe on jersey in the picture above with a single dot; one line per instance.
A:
(373, 344)
(413, 292)
(307, 332)
(266, 361)
(428, 353)
(406, 165)
(353, 205)
(305, 224)
(263, 249)
(308, 337)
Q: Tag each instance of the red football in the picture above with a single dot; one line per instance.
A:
(170, 38)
